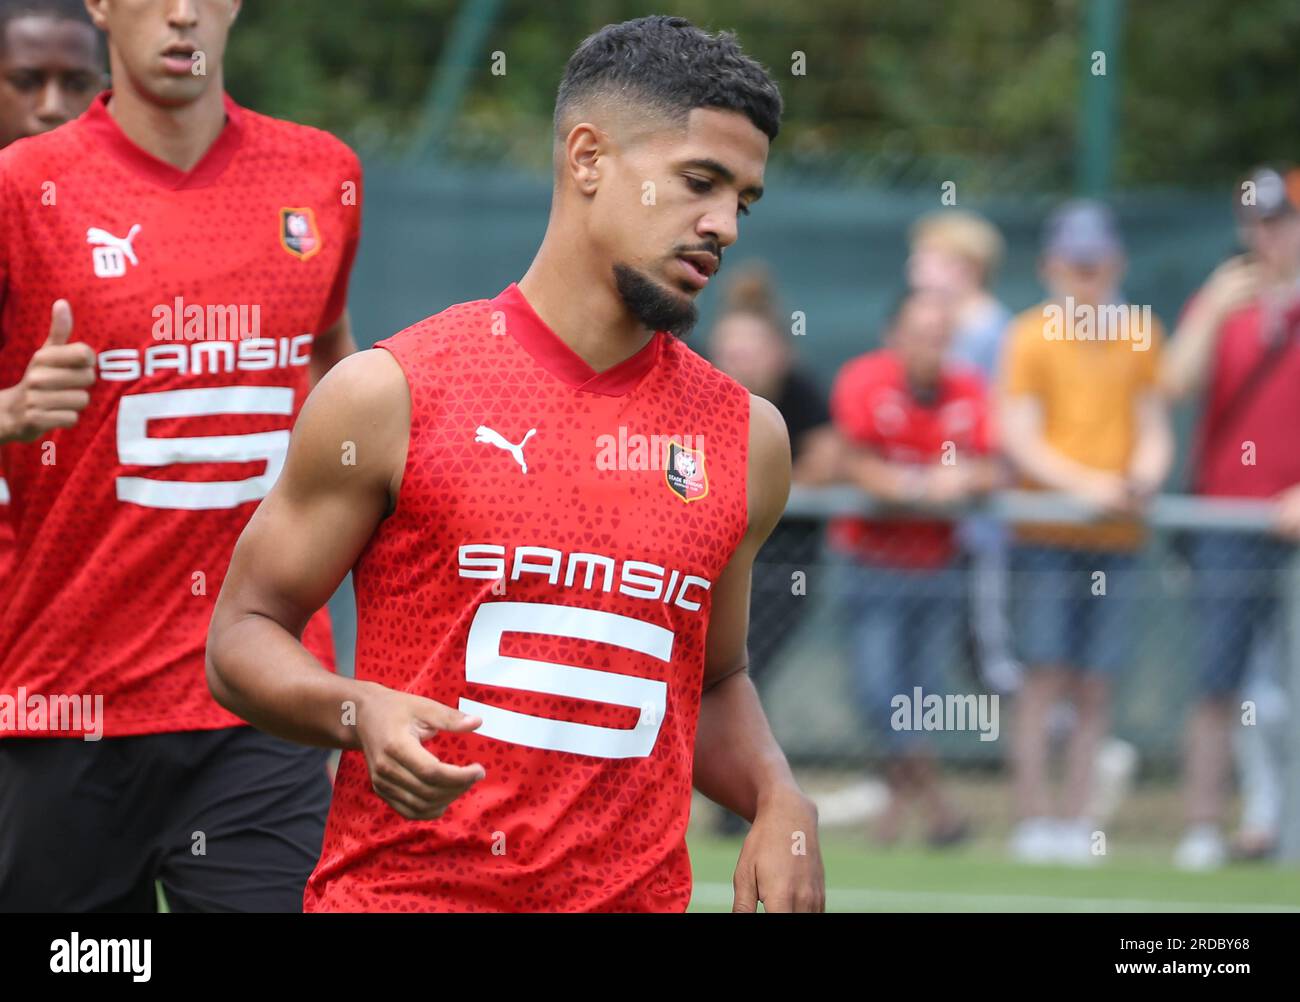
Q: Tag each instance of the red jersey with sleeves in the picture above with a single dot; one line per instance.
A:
(1268, 415)
(200, 293)
(548, 568)
(873, 408)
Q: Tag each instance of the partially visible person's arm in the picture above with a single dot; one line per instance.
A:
(1023, 442)
(331, 347)
(893, 483)
(821, 454)
(738, 763)
(1287, 524)
(1153, 452)
(910, 483)
(1187, 359)
(294, 552)
(1020, 422)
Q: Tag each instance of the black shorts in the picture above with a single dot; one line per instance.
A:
(227, 820)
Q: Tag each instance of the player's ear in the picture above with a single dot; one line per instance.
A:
(582, 151)
(95, 8)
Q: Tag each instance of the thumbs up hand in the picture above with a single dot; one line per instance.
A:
(54, 389)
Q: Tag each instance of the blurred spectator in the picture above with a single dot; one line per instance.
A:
(1081, 413)
(918, 431)
(1237, 343)
(956, 253)
(751, 343)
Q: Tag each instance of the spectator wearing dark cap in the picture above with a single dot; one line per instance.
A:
(1237, 345)
(1080, 414)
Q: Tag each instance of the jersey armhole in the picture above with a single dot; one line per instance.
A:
(396, 498)
(744, 468)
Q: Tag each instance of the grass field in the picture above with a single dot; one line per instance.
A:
(861, 878)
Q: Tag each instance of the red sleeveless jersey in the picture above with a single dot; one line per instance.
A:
(548, 568)
(200, 293)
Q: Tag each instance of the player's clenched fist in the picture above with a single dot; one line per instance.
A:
(54, 390)
(391, 726)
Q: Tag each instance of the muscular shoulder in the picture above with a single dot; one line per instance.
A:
(353, 428)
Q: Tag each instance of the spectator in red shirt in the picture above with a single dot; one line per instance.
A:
(1237, 343)
(917, 431)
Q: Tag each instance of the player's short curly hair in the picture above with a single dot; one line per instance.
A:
(669, 64)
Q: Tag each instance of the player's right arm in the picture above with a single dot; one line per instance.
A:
(55, 387)
(339, 482)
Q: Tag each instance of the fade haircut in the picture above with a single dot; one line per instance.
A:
(671, 66)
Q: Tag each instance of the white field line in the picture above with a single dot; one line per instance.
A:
(866, 899)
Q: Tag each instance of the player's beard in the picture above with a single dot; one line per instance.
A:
(652, 304)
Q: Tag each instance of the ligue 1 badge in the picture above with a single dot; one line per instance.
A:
(298, 232)
(685, 474)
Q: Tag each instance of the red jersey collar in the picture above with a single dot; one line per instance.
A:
(105, 129)
(561, 361)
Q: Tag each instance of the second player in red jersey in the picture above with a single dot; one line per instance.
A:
(173, 276)
(201, 306)
(51, 68)
(552, 514)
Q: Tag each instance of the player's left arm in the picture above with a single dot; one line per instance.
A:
(331, 347)
(738, 763)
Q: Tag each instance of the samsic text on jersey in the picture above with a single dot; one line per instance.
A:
(200, 293)
(548, 567)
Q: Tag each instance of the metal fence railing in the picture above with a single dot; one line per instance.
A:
(1208, 587)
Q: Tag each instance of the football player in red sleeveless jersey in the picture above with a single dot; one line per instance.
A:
(173, 278)
(51, 67)
(550, 506)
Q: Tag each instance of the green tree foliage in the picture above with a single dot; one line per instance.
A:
(893, 90)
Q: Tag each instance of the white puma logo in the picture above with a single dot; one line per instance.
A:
(485, 434)
(95, 235)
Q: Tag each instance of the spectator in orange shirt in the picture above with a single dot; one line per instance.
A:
(1080, 414)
